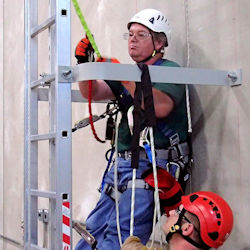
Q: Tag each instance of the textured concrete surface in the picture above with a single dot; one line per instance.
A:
(1, 121)
(219, 39)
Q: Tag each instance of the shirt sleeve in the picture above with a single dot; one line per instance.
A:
(175, 91)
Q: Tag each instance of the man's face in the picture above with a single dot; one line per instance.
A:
(172, 219)
(140, 43)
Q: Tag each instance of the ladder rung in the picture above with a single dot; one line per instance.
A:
(43, 81)
(42, 137)
(39, 28)
(45, 194)
(36, 247)
(43, 95)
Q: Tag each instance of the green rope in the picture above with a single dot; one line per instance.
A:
(86, 28)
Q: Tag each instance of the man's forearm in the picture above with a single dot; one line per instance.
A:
(100, 90)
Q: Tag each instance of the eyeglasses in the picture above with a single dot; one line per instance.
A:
(140, 35)
(182, 213)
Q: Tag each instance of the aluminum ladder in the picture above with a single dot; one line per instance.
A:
(59, 194)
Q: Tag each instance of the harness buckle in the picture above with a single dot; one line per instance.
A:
(108, 190)
(173, 153)
(127, 155)
(174, 139)
(174, 228)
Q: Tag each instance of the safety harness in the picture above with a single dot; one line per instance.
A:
(178, 153)
(176, 228)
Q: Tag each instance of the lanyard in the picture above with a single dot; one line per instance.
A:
(85, 27)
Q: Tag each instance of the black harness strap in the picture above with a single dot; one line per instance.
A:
(137, 117)
(124, 99)
(148, 96)
(143, 88)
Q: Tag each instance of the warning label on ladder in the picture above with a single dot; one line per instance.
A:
(66, 225)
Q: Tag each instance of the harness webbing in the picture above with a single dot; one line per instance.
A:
(143, 88)
(148, 96)
(137, 117)
(123, 98)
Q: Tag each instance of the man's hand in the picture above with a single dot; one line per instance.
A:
(84, 51)
(133, 243)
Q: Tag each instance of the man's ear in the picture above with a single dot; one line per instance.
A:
(187, 229)
(158, 45)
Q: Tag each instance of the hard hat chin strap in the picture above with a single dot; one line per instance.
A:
(148, 58)
(155, 50)
(176, 228)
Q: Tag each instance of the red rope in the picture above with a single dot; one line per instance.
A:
(90, 113)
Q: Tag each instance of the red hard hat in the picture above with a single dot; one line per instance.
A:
(214, 214)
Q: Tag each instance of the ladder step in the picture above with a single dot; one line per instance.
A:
(43, 95)
(45, 194)
(36, 247)
(43, 81)
(39, 28)
(43, 137)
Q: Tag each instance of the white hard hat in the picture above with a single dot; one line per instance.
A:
(153, 20)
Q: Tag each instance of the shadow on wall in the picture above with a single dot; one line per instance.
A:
(208, 120)
(199, 171)
(204, 102)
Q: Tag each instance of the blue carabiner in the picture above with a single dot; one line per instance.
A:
(148, 151)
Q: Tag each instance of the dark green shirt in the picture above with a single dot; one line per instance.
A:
(176, 120)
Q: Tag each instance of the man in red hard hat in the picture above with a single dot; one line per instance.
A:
(204, 220)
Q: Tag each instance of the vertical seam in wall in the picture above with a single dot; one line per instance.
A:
(1, 120)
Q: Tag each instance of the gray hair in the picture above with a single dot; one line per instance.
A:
(160, 37)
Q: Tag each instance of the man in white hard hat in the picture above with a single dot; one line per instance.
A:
(149, 33)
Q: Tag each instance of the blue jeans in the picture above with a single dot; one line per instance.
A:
(101, 222)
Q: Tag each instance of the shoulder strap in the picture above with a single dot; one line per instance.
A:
(122, 96)
(143, 88)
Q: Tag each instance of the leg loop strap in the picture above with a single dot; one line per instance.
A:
(110, 190)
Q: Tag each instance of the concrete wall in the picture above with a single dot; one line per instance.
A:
(12, 139)
(1, 121)
(219, 34)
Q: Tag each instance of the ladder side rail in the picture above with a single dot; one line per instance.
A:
(63, 116)
(31, 126)
(52, 128)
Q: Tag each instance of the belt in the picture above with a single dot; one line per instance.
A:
(172, 153)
